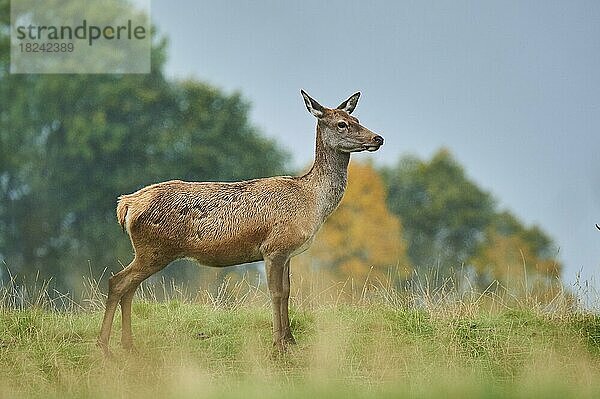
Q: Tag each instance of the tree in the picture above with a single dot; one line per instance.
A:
(449, 222)
(513, 255)
(443, 212)
(362, 237)
(70, 144)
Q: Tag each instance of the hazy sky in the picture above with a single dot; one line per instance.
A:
(512, 88)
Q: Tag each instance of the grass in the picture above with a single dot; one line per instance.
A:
(376, 342)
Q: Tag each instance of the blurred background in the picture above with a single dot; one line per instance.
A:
(490, 112)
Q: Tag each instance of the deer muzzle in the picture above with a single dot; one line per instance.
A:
(376, 142)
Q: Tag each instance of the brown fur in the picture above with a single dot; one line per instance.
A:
(223, 224)
(122, 207)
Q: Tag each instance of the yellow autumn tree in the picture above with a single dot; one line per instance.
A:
(517, 257)
(362, 237)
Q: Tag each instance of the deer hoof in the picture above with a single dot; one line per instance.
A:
(128, 347)
(105, 351)
(279, 346)
(289, 339)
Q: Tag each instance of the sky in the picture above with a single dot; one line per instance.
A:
(511, 88)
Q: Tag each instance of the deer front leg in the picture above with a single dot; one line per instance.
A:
(274, 269)
(286, 331)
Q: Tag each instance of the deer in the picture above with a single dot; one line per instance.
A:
(221, 224)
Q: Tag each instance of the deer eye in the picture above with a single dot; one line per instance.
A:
(342, 125)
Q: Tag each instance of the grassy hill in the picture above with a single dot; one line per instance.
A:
(380, 342)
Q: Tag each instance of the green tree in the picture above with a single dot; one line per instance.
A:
(449, 222)
(443, 212)
(70, 144)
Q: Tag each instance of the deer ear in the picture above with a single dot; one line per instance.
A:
(350, 103)
(313, 107)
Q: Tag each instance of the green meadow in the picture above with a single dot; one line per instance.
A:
(376, 342)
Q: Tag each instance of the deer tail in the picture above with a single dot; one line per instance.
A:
(122, 208)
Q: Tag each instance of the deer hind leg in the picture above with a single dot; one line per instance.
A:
(140, 271)
(115, 292)
(286, 332)
(126, 335)
(121, 288)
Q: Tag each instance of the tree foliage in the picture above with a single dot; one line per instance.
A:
(443, 212)
(451, 223)
(511, 254)
(70, 144)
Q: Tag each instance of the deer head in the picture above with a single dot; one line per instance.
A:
(340, 130)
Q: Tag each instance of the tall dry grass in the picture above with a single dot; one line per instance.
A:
(371, 338)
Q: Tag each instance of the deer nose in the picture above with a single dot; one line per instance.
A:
(378, 139)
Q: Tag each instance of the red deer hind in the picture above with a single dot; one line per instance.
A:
(224, 224)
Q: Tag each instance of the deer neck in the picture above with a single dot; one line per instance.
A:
(328, 176)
